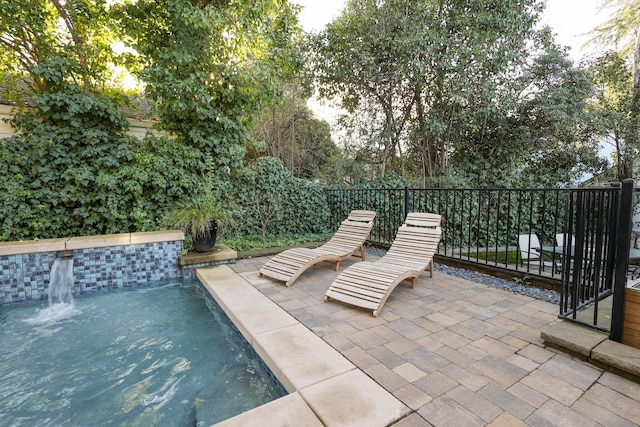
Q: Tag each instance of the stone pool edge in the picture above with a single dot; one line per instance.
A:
(87, 242)
(324, 387)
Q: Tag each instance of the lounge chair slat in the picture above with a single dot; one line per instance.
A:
(277, 275)
(372, 294)
(282, 269)
(360, 281)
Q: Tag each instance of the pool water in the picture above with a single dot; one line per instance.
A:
(144, 356)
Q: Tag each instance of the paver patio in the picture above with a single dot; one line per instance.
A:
(459, 353)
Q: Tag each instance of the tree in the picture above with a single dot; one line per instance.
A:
(363, 68)
(621, 31)
(73, 36)
(211, 65)
(268, 198)
(539, 135)
(427, 66)
(291, 133)
(619, 107)
(615, 111)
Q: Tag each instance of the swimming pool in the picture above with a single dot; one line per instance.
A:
(149, 355)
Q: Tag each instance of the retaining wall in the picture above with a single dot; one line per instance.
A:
(99, 262)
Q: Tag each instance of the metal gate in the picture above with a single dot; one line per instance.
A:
(595, 258)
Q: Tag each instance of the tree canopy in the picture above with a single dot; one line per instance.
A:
(459, 91)
(455, 87)
(52, 38)
(414, 69)
(209, 66)
(617, 77)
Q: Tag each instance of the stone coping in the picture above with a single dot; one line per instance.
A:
(219, 253)
(324, 387)
(85, 242)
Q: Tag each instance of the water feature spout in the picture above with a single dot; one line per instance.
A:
(61, 279)
(65, 254)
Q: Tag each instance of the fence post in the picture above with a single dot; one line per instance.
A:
(406, 203)
(623, 241)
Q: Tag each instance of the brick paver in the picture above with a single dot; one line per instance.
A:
(459, 353)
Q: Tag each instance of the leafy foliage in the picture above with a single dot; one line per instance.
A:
(621, 29)
(416, 82)
(240, 243)
(615, 111)
(430, 85)
(544, 139)
(387, 181)
(272, 202)
(211, 65)
(72, 170)
(193, 215)
(34, 33)
(617, 74)
(291, 133)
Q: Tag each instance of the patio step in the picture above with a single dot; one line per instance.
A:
(595, 347)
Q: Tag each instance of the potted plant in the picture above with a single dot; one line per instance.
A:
(199, 218)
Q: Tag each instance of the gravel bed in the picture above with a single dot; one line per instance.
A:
(486, 279)
(496, 282)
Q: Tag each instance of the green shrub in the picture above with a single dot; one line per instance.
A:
(72, 170)
(272, 202)
(240, 243)
(387, 181)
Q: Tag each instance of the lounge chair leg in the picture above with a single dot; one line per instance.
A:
(413, 283)
(362, 252)
(431, 268)
(337, 265)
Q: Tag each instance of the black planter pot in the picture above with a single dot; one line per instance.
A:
(206, 242)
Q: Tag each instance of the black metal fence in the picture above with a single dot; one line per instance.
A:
(562, 235)
(480, 225)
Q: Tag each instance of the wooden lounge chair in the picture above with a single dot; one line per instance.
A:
(349, 238)
(369, 284)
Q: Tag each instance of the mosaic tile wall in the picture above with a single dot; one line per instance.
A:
(23, 277)
(26, 277)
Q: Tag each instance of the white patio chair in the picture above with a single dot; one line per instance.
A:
(561, 238)
(529, 247)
